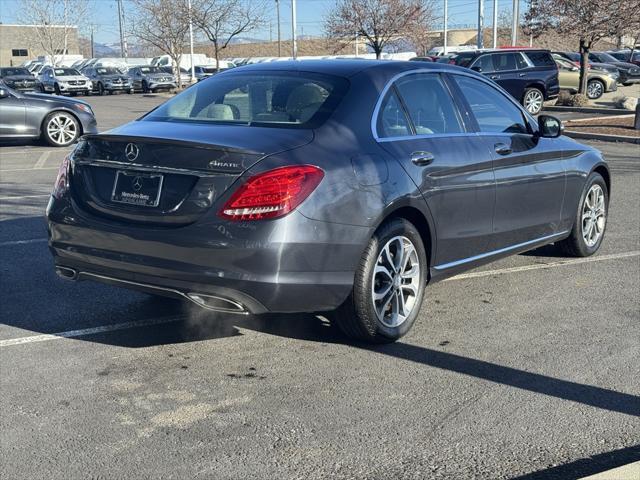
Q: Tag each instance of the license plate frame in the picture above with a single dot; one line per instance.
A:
(142, 197)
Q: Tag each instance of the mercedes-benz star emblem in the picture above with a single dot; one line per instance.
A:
(131, 151)
(137, 184)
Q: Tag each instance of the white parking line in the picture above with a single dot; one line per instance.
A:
(42, 160)
(162, 320)
(90, 331)
(26, 169)
(22, 242)
(542, 266)
(16, 197)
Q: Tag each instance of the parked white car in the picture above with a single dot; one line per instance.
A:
(64, 80)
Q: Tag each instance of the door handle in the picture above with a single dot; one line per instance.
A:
(422, 159)
(522, 74)
(494, 77)
(502, 149)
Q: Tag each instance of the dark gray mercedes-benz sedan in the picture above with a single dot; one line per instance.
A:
(310, 186)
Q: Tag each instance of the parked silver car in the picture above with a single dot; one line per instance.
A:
(64, 80)
(147, 78)
(108, 80)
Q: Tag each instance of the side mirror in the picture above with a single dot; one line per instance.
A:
(475, 68)
(4, 93)
(549, 127)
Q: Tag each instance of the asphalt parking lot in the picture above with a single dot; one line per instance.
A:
(527, 368)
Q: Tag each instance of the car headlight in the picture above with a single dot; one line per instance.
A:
(84, 108)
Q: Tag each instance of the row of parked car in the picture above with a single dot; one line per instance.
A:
(99, 80)
(533, 76)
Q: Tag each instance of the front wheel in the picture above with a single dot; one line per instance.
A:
(60, 129)
(100, 89)
(595, 89)
(56, 89)
(388, 286)
(532, 100)
(590, 220)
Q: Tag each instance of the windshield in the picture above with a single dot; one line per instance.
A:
(573, 56)
(107, 71)
(150, 70)
(607, 58)
(65, 72)
(9, 72)
(463, 59)
(288, 99)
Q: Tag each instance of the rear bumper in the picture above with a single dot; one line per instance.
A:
(293, 264)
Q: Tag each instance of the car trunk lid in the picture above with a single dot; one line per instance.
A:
(168, 174)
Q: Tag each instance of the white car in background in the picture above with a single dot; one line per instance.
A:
(60, 80)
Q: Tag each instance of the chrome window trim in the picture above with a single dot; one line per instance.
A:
(481, 78)
(456, 263)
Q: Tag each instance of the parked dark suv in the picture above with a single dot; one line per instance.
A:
(530, 76)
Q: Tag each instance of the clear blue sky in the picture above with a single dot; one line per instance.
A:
(310, 16)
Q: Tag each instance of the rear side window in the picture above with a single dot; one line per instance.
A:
(484, 64)
(493, 111)
(277, 98)
(429, 104)
(504, 61)
(392, 121)
(541, 59)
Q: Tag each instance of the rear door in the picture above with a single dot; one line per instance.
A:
(529, 170)
(421, 127)
(13, 117)
(507, 73)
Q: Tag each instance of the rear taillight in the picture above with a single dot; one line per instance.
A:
(62, 181)
(273, 193)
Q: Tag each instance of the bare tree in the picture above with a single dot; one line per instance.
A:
(223, 20)
(588, 20)
(379, 22)
(55, 23)
(160, 24)
(419, 34)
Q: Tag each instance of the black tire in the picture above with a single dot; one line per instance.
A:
(628, 84)
(528, 95)
(596, 86)
(100, 89)
(60, 141)
(357, 317)
(56, 89)
(145, 87)
(575, 244)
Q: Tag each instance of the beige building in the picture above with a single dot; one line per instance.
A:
(19, 43)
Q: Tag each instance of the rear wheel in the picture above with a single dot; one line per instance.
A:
(145, 87)
(100, 89)
(590, 220)
(60, 129)
(532, 100)
(388, 287)
(595, 89)
(56, 89)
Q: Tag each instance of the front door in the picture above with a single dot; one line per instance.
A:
(13, 117)
(529, 170)
(421, 127)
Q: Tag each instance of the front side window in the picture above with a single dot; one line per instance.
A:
(392, 121)
(493, 111)
(429, 104)
(276, 98)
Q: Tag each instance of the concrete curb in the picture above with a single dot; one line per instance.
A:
(626, 472)
(602, 137)
(602, 111)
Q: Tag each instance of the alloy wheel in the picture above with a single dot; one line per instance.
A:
(594, 90)
(594, 216)
(533, 101)
(62, 129)
(396, 281)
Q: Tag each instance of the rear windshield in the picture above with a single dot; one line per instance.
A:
(9, 72)
(281, 99)
(541, 59)
(65, 72)
(573, 56)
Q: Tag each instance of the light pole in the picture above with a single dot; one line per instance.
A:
(495, 23)
(480, 23)
(446, 25)
(293, 30)
(123, 43)
(278, 15)
(193, 68)
(514, 25)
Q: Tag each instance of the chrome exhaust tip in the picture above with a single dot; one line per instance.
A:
(218, 304)
(67, 273)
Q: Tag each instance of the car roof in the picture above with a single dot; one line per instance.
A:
(343, 67)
